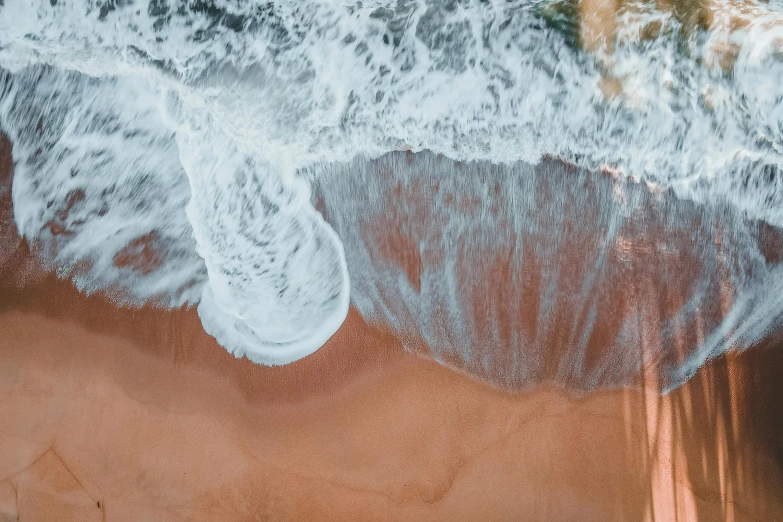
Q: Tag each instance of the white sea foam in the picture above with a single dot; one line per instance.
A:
(144, 106)
(98, 185)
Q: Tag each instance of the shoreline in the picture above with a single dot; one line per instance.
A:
(129, 415)
(142, 411)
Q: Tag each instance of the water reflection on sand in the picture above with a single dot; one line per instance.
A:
(522, 275)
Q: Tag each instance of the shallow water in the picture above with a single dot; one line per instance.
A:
(524, 274)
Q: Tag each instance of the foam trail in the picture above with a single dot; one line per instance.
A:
(278, 282)
(750, 319)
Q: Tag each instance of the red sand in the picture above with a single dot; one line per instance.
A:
(142, 412)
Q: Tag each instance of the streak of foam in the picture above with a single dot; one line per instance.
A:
(278, 279)
(523, 274)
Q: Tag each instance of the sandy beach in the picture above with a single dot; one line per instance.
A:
(124, 415)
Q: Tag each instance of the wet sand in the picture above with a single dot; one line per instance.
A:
(113, 414)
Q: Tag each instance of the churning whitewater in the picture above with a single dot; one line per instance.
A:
(169, 150)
